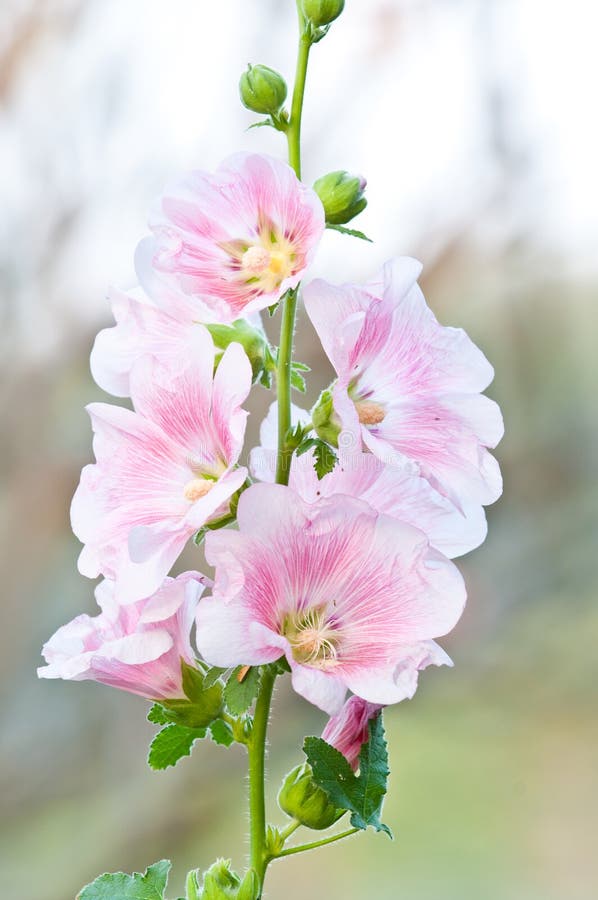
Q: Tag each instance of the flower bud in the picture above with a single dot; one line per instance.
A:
(253, 340)
(325, 421)
(322, 12)
(301, 798)
(262, 90)
(341, 195)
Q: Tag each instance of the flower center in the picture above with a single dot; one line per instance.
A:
(197, 488)
(313, 638)
(268, 263)
(369, 412)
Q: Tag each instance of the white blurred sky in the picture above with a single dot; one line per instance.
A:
(475, 116)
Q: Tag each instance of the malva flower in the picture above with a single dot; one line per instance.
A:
(234, 241)
(165, 469)
(348, 731)
(143, 328)
(136, 648)
(396, 489)
(407, 386)
(352, 598)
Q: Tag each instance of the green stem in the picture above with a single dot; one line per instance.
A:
(294, 126)
(257, 759)
(290, 829)
(257, 745)
(285, 352)
(283, 382)
(301, 848)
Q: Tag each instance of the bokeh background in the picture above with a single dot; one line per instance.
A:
(475, 124)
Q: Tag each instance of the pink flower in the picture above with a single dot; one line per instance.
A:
(142, 328)
(348, 730)
(407, 386)
(136, 648)
(234, 241)
(350, 597)
(164, 470)
(397, 489)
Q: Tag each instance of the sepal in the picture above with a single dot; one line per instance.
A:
(262, 90)
(326, 423)
(220, 882)
(342, 196)
(302, 799)
(254, 343)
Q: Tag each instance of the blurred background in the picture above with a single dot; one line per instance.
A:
(473, 122)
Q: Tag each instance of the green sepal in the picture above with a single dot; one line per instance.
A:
(119, 886)
(352, 232)
(239, 695)
(362, 794)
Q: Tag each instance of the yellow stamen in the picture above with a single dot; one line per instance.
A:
(369, 412)
(197, 488)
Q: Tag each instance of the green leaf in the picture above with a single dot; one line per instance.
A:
(298, 381)
(222, 733)
(362, 794)
(352, 232)
(263, 123)
(325, 458)
(212, 675)
(118, 886)
(239, 695)
(171, 744)
(158, 715)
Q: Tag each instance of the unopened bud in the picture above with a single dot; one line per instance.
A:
(324, 419)
(302, 799)
(262, 90)
(341, 195)
(322, 12)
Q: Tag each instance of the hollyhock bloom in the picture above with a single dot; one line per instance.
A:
(164, 470)
(350, 597)
(397, 489)
(408, 386)
(142, 328)
(348, 730)
(233, 241)
(136, 648)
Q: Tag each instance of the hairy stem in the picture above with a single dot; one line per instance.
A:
(301, 848)
(257, 746)
(257, 755)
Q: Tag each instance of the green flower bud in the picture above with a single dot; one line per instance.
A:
(325, 420)
(220, 882)
(301, 798)
(250, 886)
(322, 12)
(262, 90)
(254, 342)
(341, 195)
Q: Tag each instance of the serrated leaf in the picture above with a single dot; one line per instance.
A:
(325, 459)
(171, 744)
(298, 381)
(239, 695)
(118, 886)
(158, 715)
(221, 733)
(212, 675)
(361, 794)
(352, 232)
